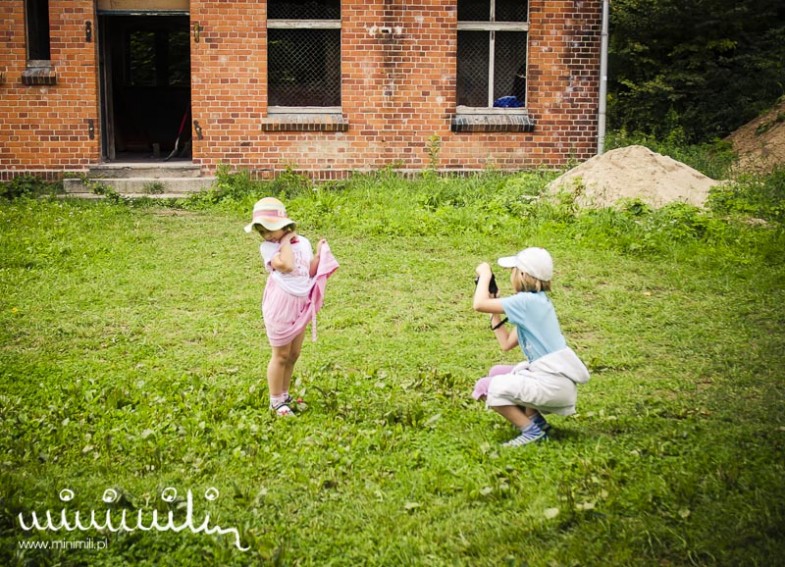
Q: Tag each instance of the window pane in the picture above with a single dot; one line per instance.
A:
(304, 10)
(141, 59)
(510, 66)
(504, 10)
(508, 74)
(158, 58)
(38, 29)
(474, 10)
(179, 72)
(473, 68)
(304, 67)
(512, 11)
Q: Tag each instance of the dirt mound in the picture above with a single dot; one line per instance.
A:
(760, 143)
(634, 172)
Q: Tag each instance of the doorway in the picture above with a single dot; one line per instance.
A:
(146, 86)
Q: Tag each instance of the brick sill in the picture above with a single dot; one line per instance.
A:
(39, 73)
(492, 122)
(306, 122)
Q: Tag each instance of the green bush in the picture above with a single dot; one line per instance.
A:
(762, 197)
(28, 185)
(387, 204)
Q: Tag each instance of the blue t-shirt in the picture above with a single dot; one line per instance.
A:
(538, 328)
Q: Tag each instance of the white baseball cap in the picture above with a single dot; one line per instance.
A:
(536, 262)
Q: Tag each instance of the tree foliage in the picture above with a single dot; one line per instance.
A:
(701, 67)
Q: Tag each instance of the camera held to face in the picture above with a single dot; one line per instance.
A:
(493, 289)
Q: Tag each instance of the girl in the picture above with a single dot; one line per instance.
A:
(546, 381)
(293, 295)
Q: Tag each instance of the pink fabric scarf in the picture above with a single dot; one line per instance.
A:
(327, 266)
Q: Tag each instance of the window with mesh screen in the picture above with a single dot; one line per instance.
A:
(492, 39)
(304, 53)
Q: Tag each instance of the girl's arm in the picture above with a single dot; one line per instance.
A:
(283, 261)
(508, 340)
(315, 260)
(483, 302)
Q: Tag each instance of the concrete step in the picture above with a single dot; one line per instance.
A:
(141, 186)
(161, 170)
(130, 196)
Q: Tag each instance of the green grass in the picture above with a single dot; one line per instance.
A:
(132, 357)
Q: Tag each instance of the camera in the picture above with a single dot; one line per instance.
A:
(493, 289)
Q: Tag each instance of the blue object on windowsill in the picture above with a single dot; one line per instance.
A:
(507, 102)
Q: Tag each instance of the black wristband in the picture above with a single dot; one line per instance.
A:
(502, 322)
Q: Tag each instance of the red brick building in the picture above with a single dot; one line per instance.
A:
(325, 86)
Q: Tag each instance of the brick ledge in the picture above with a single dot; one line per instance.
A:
(305, 123)
(37, 76)
(492, 123)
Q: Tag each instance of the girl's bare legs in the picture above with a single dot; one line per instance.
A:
(296, 347)
(523, 419)
(516, 415)
(281, 365)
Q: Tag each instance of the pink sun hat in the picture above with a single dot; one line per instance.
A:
(270, 213)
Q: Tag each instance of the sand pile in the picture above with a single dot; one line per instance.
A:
(760, 143)
(634, 172)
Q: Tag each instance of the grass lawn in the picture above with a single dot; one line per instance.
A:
(132, 359)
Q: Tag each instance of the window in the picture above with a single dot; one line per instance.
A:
(304, 53)
(492, 38)
(157, 58)
(37, 19)
(39, 70)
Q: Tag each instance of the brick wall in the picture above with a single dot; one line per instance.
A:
(564, 56)
(398, 91)
(44, 129)
(228, 67)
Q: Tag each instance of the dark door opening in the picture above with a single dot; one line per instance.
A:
(146, 78)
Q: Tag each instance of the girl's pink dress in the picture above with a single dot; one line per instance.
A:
(286, 315)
